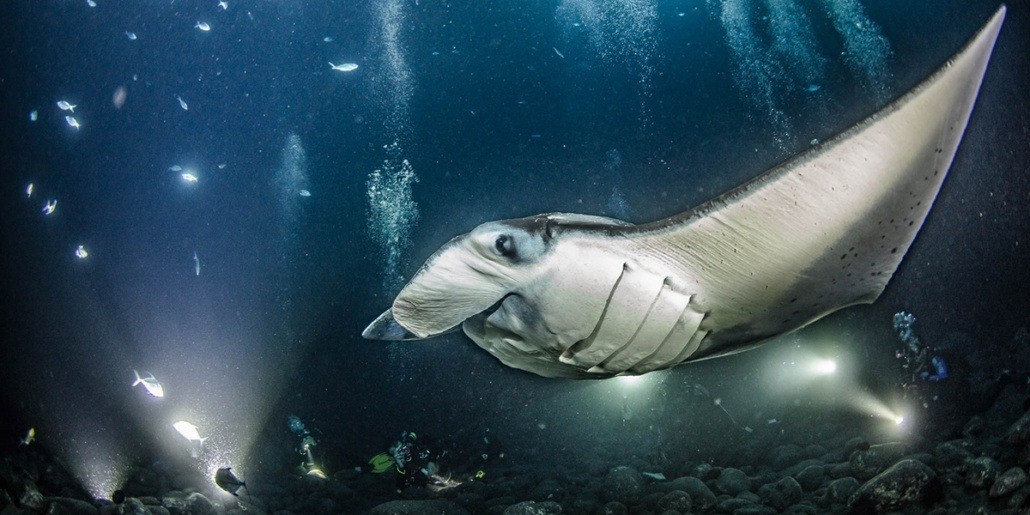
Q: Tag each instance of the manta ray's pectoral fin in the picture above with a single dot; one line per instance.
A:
(386, 328)
(826, 229)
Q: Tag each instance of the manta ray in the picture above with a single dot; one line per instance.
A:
(581, 296)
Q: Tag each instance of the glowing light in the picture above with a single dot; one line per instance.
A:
(631, 380)
(824, 367)
(877, 408)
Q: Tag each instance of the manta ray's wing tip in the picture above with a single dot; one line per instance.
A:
(386, 328)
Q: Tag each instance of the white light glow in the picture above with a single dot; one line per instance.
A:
(872, 406)
(630, 380)
(824, 366)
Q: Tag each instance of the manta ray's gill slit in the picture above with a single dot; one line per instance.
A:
(633, 339)
(656, 330)
(568, 356)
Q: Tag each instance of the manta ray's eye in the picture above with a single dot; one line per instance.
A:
(505, 245)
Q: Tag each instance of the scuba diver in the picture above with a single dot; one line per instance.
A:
(413, 460)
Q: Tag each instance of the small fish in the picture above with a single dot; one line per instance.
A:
(812, 88)
(345, 67)
(66, 106)
(221, 166)
(81, 252)
(189, 432)
(50, 207)
(226, 480)
(773, 421)
(182, 103)
(654, 475)
(131, 35)
(175, 168)
(91, 3)
(30, 436)
(153, 387)
(304, 193)
(196, 263)
(72, 122)
(315, 472)
(28, 190)
(558, 52)
(189, 177)
(223, 4)
(327, 39)
(202, 25)
(33, 115)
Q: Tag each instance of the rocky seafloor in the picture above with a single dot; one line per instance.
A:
(975, 463)
(983, 470)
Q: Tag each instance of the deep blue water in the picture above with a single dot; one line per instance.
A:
(497, 125)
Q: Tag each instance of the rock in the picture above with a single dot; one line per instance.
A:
(974, 428)
(700, 495)
(732, 504)
(1024, 455)
(422, 507)
(1020, 499)
(981, 472)
(677, 500)
(69, 506)
(31, 499)
(870, 462)
(614, 508)
(534, 508)
(951, 455)
(623, 484)
(754, 509)
(1019, 431)
(132, 506)
(814, 451)
(1008, 482)
(548, 489)
(839, 470)
(197, 504)
(781, 494)
(840, 490)
(811, 477)
(157, 510)
(732, 481)
(785, 456)
(800, 509)
(905, 483)
(175, 505)
(855, 444)
(750, 497)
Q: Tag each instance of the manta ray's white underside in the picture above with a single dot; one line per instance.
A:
(601, 297)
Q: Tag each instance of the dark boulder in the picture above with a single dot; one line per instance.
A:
(781, 494)
(906, 483)
(614, 508)
(870, 462)
(534, 508)
(840, 490)
(623, 484)
(811, 477)
(1010, 481)
(676, 500)
(981, 472)
(422, 507)
(732, 481)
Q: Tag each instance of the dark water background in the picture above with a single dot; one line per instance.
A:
(272, 325)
